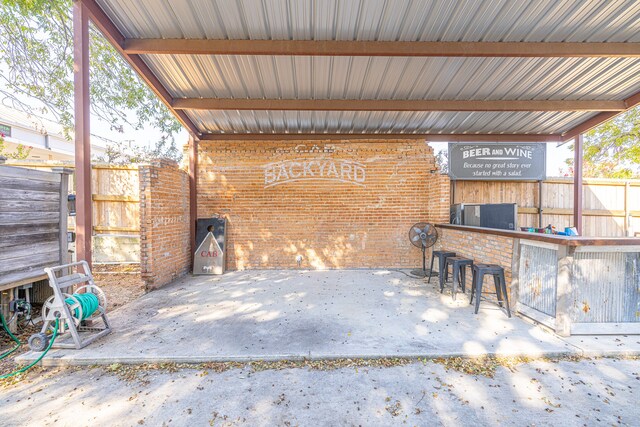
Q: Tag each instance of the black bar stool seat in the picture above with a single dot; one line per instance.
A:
(479, 271)
(442, 258)
(459, 269)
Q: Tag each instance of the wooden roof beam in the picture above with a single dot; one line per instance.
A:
(249, 137)
(587, 125)
(379, 48)
(393, 105)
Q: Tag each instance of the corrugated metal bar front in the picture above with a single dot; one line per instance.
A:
(538, 278)
(605, 287)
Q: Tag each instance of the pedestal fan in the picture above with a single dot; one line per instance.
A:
(423, 235)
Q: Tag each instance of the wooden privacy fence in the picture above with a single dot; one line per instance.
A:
(33, 224)
(611, 207)
(116, 209)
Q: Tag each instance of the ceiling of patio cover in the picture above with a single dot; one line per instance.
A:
(385, 77)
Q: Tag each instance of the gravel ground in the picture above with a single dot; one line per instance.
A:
(385, 392)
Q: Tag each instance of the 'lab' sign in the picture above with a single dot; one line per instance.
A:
(497, 162)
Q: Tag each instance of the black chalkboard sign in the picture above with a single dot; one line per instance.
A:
(217, 225)
(498, 162)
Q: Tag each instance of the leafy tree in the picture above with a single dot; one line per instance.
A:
(612, 150)
(36, 53)
(122, 153)
(442, 161)
(21, 152)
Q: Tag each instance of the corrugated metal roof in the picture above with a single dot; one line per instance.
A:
(385, 122)
(410, 20)
(322, 77)
(235, 76)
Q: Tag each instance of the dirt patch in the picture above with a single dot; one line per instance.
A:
(25, 330)
(120, 282)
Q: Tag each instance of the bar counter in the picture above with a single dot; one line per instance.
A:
(574, 285)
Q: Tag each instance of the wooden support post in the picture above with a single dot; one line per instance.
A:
(577, 183)
(453, 192)
(193, 190)
(540, 194)
(5, 298)
(82, 132)
(627, 210)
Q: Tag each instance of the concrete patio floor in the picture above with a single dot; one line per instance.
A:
(270, 315)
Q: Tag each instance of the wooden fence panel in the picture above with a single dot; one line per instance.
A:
(32, 236)
(610, 207)
(116, 200)
(115, 205)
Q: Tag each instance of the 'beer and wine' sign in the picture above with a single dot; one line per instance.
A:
(497, 162)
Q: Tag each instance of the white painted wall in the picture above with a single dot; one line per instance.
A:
(44, 136)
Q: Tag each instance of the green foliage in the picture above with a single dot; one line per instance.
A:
(21, 152)
(36, 48)
(442, 161)
(119, 153)
(612, 150)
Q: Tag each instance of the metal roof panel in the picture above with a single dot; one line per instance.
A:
(385, 122)
(321, 77)
(410, 20)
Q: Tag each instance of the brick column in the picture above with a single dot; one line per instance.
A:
(165, 245)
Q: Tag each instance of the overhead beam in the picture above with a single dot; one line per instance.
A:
(392, 105)
(587, 125)
(117, 40)
(379, 48)
(249, 137)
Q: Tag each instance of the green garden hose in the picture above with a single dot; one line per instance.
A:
(26, 368)
(13, 337)
(88, 303)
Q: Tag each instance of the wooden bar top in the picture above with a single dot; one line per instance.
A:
(549, 238)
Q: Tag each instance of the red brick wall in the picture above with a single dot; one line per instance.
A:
(442, 198)
(164, 223)
(357, 215)
(482, 248)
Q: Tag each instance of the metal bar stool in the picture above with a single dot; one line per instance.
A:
(479, 271)
(459, 268)
(442, 259)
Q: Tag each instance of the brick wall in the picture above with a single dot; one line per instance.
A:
(482, 248)
(164, 223)
(336, 204)
(442, 194)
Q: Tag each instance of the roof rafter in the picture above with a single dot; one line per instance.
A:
(594, 121)
(393, 105)
(379, 48)
(380, 137)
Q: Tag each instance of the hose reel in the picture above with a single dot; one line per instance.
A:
(79, 313)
